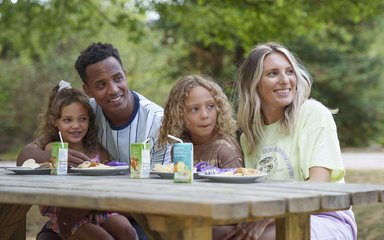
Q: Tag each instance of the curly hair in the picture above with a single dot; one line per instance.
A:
(56, 101)
(249, 115)
(92, 54)
(175, 108)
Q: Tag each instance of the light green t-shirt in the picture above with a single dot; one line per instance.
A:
(313, 143)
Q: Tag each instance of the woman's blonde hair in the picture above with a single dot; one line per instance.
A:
(249, 116)
(174, 110)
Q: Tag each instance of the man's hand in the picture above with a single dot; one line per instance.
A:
(248, 231)
(75, 158)
(67, 219)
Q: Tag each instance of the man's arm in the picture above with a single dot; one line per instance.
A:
(32, 150)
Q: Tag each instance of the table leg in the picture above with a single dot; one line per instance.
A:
(293, 227)
(13, 221)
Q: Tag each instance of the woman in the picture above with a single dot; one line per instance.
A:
(288, 136)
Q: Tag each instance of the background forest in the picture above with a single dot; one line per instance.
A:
(340, 41)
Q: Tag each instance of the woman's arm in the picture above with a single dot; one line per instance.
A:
(319, 174)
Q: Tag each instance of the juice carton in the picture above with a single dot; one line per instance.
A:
(59, 158)
(183, 162)
(140, 160)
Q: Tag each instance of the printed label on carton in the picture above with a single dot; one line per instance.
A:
(140, 160)
(59, 158)
(183, 162)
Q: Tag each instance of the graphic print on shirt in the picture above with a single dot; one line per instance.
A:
(275, 162)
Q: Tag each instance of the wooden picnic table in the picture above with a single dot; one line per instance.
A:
(171, 211)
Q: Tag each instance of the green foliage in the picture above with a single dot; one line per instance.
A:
(44, 51)
(339, 41)
(333, 38)
(350, 80)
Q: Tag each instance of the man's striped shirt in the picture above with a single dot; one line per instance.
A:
(144, 124)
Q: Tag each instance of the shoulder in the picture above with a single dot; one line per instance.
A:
(313, 109)
(147, 105)
(311, 105)
(314, 114)
(96, 108)
(228, 142)
(93, 103)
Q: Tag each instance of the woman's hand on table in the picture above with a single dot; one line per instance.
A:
(248, 231)
(75, 158)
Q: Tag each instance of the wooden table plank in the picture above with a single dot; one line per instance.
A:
(360, 194)
(191, 208)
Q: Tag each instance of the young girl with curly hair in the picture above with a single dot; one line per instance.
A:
(69, 112)
(198, 111)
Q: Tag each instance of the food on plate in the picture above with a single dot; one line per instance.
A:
(163, 168)
(45, 165)
(241, 172)
(167, 168)
(93, 165)
(31, 163)
(208, 169)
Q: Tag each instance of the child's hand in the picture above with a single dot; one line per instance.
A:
(67, 219)
(75, 158)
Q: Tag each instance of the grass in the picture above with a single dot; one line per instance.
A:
(370, 218)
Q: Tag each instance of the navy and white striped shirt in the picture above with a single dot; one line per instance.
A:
(144, 123)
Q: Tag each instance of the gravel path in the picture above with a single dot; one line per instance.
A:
(359, 160)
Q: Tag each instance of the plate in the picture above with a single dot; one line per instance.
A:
(28, 170)
(234, 179)
(169, 175)
(100, 171)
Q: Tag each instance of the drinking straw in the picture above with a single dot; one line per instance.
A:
(175, 138)
(145, 141)
(61, 140)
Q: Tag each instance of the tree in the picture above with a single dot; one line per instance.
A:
(40, 39)
(40, 43)
(327, 35)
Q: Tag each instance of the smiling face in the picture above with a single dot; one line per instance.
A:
(200, 115)
(106, 82)
(277, 86)
(73, 123)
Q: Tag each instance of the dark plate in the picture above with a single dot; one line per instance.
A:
(101, 171)
(169, 175)
(28, 170)
(233, 179)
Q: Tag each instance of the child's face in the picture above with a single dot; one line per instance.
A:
(200, 115)
(73, 123)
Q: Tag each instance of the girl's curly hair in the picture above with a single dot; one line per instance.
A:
(175, 108)
(56, 101)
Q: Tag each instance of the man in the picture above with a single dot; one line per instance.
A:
(122, 116)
